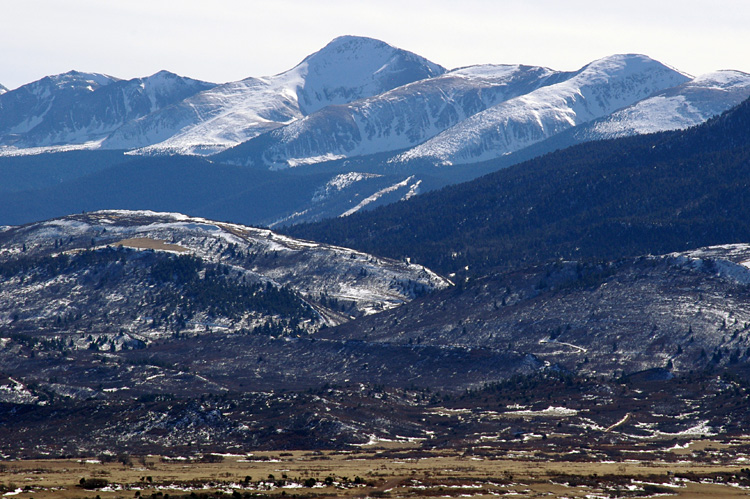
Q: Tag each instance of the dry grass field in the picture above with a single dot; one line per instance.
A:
(380, 472)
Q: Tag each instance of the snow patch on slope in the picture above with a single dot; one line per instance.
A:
(13, 151)
(339, 183)
(730, 261)
(378, 195)
(15, 392)
(315, 159)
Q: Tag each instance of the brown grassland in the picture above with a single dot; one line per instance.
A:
(393, 471)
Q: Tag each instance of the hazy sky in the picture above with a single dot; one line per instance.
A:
(225, 40)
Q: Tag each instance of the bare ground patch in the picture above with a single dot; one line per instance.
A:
(148, 243)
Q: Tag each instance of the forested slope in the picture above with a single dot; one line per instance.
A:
(647, 194)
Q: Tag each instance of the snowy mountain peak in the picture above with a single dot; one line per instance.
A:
(164, 78)
(345, 50)
(352, 67)
(624, 73)
(617, 64)
(347, 46)
(77, 79)
(164, 74)
(3, 89)
(163, 84)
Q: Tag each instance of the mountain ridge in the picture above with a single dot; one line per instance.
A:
(346, 69)
(397, 112)
(680, 311)
(597, 89)
(683, 106)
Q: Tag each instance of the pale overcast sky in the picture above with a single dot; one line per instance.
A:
(226, 40)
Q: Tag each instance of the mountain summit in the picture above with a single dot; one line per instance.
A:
(352, 67)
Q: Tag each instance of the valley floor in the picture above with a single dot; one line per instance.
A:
(703, 468)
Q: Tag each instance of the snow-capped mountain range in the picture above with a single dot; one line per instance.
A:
(358, 96)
